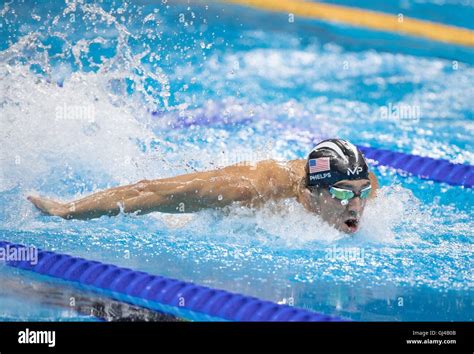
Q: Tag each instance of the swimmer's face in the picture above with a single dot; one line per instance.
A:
(345, 218)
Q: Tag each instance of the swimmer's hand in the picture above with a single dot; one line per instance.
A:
(48, 206)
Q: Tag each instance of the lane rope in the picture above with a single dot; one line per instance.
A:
(365, 18)
(159, 293)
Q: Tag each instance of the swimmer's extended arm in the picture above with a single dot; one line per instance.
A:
(181, 194)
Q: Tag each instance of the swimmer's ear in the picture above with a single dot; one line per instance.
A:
(374, 184)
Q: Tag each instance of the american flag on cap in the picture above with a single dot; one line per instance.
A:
(320, 164)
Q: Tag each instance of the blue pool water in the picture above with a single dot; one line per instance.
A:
(136, 74)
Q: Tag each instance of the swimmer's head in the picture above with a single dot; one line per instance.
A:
(337, 183)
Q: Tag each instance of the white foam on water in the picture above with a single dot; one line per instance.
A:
(41, 135)
(286, 224)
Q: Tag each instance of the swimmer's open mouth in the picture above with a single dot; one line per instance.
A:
(352, 224)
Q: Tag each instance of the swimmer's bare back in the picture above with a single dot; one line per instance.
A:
(250, 185)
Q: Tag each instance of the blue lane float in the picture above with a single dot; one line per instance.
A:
(423, 167)
(158, 293)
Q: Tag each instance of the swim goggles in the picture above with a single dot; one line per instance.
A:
(346, 194)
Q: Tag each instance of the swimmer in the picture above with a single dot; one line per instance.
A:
(334, 182)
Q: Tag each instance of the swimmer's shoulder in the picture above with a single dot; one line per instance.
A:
(297, 166)
(287, 170)
(271, 178)
(283, 176)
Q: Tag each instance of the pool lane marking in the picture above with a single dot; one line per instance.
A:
(366, 18)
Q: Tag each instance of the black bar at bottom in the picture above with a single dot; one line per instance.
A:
(450, 337)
